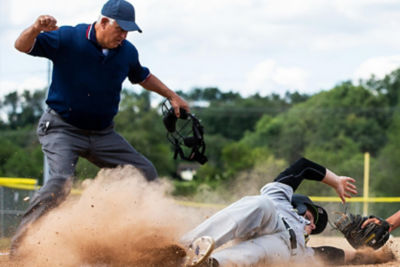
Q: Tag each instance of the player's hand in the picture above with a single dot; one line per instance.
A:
(345, 187)
(45, 23)
(370, 220)
(373, 235)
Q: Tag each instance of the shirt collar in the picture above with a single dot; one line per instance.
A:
(91, 33)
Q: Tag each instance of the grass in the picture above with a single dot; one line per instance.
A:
(5, 243)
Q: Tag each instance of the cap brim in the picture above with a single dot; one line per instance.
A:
(128, 25)
(301, 209)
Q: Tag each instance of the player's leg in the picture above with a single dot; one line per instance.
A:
(109, 149)
(199, 251)
(266, 249)
(248, 217)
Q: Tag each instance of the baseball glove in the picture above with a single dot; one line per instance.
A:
(373, 235)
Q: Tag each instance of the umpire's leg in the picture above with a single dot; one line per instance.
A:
(61, 144)
(48, 197)
(109, 149)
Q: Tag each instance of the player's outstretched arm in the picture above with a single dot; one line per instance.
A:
(343, 185)
(25, 41)
(394, 221)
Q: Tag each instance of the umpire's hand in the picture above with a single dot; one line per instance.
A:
(45, 23)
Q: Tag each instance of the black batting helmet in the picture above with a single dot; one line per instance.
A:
(301, 203)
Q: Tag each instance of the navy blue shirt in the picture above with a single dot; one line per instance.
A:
(86, 84)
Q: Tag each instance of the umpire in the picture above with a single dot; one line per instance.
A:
(90, 62)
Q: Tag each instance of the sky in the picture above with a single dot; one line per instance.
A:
(244, 46)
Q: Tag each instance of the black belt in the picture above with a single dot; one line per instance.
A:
(293, 240)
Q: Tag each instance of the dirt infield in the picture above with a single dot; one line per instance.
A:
(381, 255)
(170, 257)
(121, 220)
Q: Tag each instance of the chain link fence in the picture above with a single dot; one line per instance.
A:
(13, 203)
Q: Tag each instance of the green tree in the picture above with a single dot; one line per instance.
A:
(25, 163)
(31, 107)
(142, 126)
(10, 105)
(23, 110)
(345, 111)
(7, 149)
(388, 162)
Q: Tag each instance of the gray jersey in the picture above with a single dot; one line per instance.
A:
(281, 194)
(255, 222)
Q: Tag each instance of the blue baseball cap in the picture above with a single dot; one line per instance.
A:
(123, 12)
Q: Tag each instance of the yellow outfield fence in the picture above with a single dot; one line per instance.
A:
(19, 183)
(357, 199)
(25, 184)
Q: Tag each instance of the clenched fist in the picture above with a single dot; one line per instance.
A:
(45, 23)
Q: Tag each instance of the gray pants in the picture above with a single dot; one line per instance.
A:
(62, 144)
(256, 226)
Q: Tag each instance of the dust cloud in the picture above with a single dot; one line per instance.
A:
(246, 183)
(370, 256)
(119, 219)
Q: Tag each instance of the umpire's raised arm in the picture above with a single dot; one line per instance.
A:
(43, 23)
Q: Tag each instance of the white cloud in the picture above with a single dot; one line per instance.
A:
(291, 8)
(378, 66)
(268, 77)
(336, 41)
(357, 9)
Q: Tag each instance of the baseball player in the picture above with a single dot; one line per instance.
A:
(90, 62)
(275, 225)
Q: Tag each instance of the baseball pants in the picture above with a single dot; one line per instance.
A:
(258, 231)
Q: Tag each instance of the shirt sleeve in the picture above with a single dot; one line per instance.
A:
(46, 44)
(301, 169)
(278, 192)
(138, 73)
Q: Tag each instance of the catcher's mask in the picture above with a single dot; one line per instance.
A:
(185, 134)
(301, 203)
